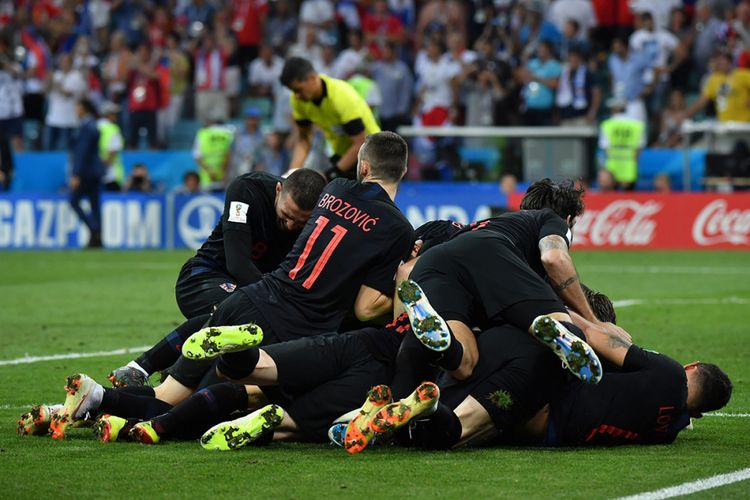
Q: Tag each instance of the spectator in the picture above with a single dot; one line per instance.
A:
(670, 129)
(87, 171)
(111, 144)
(395, 80)
(212, 151)
(318, 16)
(571, 40)
(350, 58)
(605, 181)
(309, 48)
(197, 16)
(159, 28)
(708, 33)
(139, 180)
(626, 71)
(66, 85)
(367, 88)
(741, 25)
(273, 157)
(179, 72)
(280, 26)
(191, 183)
(578, 92)
(116, 66)
(11, 92)
(328, 55)
(729, 90)
(264, 72)
(508, 184)
(37, 63)
(434, 80)
(481, 91)
(536, 30)
(380, 26)
(281, 120)
(232, 73)
(680, 68)
(247, 143)
(662, 183)
(622, 137)
(405, 11)
(440, 15)
(210, 97)
(144, 94)
(540, 79)
(248, 17)
(579, 11)
(659, 11)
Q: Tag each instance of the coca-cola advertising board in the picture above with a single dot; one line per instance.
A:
(674, 220)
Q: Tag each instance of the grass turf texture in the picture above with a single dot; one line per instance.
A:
(64, 302)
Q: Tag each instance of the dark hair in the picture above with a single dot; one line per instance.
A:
(646, 16)
(296, 69)
(602, 306)
(387, 153)
(191, 174)
(576, 25)
(715, 388)
(564, 198)
(304, 186)
(88, 106)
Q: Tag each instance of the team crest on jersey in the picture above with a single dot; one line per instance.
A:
(228, 287)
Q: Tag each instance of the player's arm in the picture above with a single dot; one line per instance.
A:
(609, 341)
(563, 276)
(238, 240)
(348, 160)
(303, 145)
(371, 304)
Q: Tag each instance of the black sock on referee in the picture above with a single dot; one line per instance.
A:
(126, 404)
(574, 330)
(167, 350)
(204, 409)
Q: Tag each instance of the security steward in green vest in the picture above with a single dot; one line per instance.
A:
(111, 144)
(622, 137)
(212, 151)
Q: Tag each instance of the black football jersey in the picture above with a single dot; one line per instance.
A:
(355, 236)
(248, 226)
(645, 402)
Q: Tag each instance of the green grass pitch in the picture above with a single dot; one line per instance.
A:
(690, 305)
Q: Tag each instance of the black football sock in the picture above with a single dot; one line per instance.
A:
(440, 431)
(574, 330)
(205, 408)
(451, 357)
(126, 404)
(414, 365)
(167, 350)
(240, 364)
(139, 391)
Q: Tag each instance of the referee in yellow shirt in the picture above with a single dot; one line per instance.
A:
(334, 106)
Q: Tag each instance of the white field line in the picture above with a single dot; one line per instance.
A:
(72, 355)
(693, 486)
(683, 302)
(665, 269)
(722, 414)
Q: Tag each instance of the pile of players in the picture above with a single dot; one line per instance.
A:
(464, 346)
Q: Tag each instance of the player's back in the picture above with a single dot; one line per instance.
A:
(645, 402)
(355, 236)
(249, 205)
(523, 230)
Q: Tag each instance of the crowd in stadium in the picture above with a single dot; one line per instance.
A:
(158, 65)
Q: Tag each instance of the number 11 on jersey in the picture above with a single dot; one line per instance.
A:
(338, 235)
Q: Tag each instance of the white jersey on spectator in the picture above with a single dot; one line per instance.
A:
(579, 10)
(434, 82)
(260, 74)
(11, 96)
(61, 109)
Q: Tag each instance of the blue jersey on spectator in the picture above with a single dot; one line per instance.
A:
(536, 94)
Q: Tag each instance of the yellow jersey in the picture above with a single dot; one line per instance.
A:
(334, 113)
(731, 95)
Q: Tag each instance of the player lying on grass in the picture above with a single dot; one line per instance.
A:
(344, 260)
(263, 216)
(517, 396)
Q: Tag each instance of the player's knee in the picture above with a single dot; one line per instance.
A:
(466, 368)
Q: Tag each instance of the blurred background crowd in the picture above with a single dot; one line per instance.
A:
(162, 69)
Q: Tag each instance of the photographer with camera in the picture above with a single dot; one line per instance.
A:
(139, 180)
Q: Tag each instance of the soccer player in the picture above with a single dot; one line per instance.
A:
(497, 272)
(345, 259)
(262, 218)
(334, 106)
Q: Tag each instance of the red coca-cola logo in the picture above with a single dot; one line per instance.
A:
(622, 222)
(715, 224)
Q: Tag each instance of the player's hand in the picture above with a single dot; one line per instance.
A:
(75, 183)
